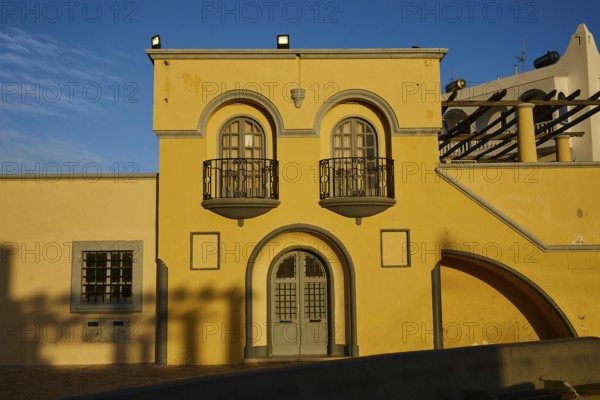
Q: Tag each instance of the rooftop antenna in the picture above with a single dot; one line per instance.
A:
(522, 57)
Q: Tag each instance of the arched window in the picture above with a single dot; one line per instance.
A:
(357, 170)
(354, 137)
(454, 117)
(242, 137)
(243, 169)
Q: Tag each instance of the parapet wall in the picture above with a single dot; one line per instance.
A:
(430, 374)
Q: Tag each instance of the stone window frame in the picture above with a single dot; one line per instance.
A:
(76, 276)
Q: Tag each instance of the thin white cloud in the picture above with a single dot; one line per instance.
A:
(36, 66)
(16, 47)
(62, 109)
(28, 108)
(30, 152)
(13, 59)
(67, 65)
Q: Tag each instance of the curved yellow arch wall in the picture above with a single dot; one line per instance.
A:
(492, 319)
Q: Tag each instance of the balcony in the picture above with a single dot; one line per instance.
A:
(240, 188)
(357, 187)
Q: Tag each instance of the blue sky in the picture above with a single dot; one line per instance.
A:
(76, 84)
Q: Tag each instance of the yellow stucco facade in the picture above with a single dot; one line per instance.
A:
(325, 229)
(44, 219)
(434, 300)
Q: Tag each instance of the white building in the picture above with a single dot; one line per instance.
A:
(577, 69)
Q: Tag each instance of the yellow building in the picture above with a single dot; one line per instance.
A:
(301, 211)
(77, 268)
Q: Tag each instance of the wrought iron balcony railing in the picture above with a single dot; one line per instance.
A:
(245, 178)
(356, 177)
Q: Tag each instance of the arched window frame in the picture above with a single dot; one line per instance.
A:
(243, 143)
(361, 140)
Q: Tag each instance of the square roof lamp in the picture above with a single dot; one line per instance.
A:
(283, 41)
(156, 42)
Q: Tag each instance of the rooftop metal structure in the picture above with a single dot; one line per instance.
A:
(496, 142)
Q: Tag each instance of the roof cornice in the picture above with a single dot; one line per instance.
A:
(253, 54)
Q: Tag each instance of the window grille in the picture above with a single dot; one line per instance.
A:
(107, 277)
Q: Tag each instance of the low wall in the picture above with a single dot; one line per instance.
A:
(433, 374)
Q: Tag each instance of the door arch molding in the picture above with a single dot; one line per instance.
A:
(347, 264)
(544, 315)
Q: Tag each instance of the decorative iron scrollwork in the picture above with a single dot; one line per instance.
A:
(255, 178)
(356, 177)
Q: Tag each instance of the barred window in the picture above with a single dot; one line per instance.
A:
(106, 276)
(285, 301)
(287, 269)
(315, 301)
(299, 288)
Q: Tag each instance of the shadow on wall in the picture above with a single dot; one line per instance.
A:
(203, 330)
(38, 329)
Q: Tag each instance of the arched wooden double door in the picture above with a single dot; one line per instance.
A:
(299, 306)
